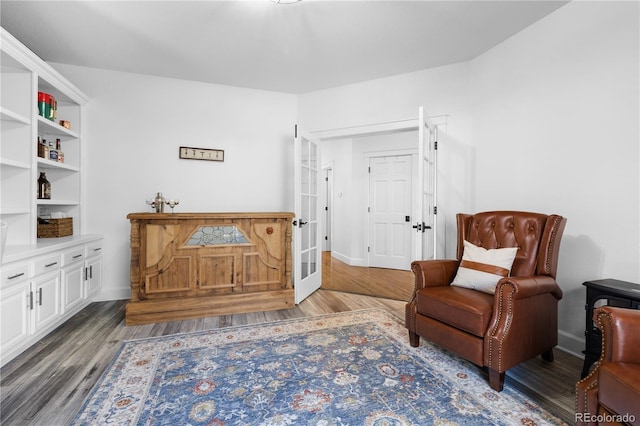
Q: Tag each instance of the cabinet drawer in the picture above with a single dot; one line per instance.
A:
(47, 263)
(94, 249)
(15, 273)
(72, 256)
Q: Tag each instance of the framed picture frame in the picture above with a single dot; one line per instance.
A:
(206, 154)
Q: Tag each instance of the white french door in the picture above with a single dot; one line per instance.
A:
(425, 224)
(306, 225)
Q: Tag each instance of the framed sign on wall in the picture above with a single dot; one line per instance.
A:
(208, 154)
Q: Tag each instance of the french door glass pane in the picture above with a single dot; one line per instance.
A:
(312, 261)
(304, 271)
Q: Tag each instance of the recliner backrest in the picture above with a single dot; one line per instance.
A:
(536, 235)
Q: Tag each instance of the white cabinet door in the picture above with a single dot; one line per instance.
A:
(72, 286)
(46, 300)
(14, 318)
(93, 269)
(93, 276)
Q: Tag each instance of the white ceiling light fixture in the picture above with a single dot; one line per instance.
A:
(286, 1)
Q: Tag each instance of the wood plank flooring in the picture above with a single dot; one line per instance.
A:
(380, 282)
(47, 384)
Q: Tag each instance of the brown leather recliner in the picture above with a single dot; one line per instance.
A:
(610, 394)
(519, 321)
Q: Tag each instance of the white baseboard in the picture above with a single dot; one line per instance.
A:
(339, 256)
(108, 294)
(346, 259)
(357, 262)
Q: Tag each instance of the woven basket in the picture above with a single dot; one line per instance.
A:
(54, 228)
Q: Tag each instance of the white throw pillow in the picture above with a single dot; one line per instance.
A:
(481, 269)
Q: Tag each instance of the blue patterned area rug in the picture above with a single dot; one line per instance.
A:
(352, 368)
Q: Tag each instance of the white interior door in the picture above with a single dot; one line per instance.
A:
(425, 224)
(306, 236)
(390, 211)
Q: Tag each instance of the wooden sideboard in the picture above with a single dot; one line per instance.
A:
(191, 265)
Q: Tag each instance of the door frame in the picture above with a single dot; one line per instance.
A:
(412, 124)
(327, 213)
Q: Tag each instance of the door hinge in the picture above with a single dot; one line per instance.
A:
(435, 145)
(368, 249)
(369, 169)
(326, 208)
(435, 210)
(368, 209)
(326, 238)
(326, 179)
(295, 131)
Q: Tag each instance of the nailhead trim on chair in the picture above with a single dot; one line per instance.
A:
(410, 309)
(597, 364)
(552, 243)
(507, 326)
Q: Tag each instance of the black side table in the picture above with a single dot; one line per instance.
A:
(599, 293)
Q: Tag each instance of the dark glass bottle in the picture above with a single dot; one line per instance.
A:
(40, 148)
(44, 187)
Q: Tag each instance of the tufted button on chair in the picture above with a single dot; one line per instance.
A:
(519, 320)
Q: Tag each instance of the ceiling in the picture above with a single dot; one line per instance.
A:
(291, 48)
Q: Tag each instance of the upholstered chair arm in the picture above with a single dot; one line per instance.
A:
(620, 335)
(433, 273)
(525, 287)
(428, 273)
(524, 310)
(620, 340)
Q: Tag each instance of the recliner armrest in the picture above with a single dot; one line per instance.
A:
(433, 273)
(620, 333)
(620, 342)
(530, 286)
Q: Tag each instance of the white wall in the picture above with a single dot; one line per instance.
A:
(555, 129)
(135, 124)
(547, 121)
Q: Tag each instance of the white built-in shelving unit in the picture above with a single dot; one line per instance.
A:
(23, 75)
(43, 281)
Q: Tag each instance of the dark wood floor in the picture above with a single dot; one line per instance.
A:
(47, 384)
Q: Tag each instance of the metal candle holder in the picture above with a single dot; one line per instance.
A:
(159, 201)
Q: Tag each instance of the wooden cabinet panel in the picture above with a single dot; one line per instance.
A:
(217, 272)
(188, 265)
(173, 274)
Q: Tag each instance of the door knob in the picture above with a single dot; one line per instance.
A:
(421, 227)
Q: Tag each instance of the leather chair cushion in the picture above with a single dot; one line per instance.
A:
(619, 387)
(466, 309)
